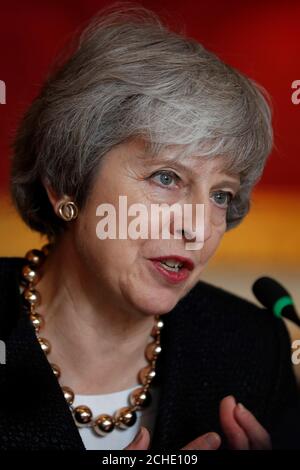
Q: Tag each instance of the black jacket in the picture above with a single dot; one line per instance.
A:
(214, 343)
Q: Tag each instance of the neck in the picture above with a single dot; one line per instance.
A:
(87, 327)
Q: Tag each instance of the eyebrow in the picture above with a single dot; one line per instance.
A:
(233, 184)
(174, 160)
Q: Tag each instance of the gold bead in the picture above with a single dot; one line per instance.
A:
(35, 257)
(140, 398)
(146, 375)
(45, 345)
(152, 351)
(56, 370)
(155, 331)
(125, 417)
(68, 394)
(82, 415)
(32, 296)
(157, 327)
(103, 425)
(30, 275)
(37, 321)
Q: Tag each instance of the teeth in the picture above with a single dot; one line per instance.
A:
(171, 265)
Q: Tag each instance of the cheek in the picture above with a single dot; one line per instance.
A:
(212, 244)
(108, 257)
(218, 220)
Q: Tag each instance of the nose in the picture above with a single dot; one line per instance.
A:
(196, 223)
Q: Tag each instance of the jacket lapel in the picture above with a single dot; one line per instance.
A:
(187, 407)
(32, 409)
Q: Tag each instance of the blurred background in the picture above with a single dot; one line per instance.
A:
(259, 38)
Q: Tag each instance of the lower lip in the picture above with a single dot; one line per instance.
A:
(172, 276)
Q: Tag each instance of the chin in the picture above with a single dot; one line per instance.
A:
(157, 302)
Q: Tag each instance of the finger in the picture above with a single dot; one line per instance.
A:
(209, 441)
(257, 434)
(141, 440)
(235, 434)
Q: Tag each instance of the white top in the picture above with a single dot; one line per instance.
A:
(109, 404)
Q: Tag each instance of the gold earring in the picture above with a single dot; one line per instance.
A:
(67, 210)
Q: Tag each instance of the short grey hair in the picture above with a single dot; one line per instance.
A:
(129, 75)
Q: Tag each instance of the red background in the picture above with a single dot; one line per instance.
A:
(260, 38)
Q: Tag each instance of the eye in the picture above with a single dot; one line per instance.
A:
(223, 198)
(165, 178)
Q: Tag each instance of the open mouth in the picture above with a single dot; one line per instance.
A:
(173, 268)
(174, 262)
(172, 265)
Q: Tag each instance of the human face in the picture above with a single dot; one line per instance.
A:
(122, 267)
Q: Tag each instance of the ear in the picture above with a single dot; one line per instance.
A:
(53, 198)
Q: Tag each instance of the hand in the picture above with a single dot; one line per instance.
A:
(242, 430)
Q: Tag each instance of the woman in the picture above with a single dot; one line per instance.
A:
(143, 112)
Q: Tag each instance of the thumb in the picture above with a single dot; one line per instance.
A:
(141, 440)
